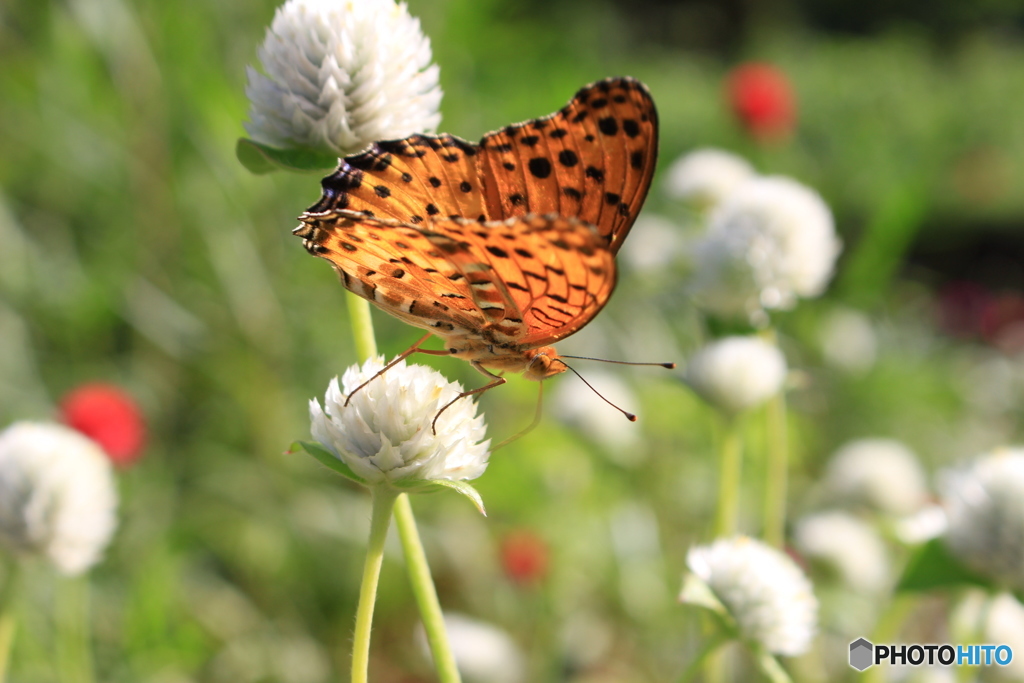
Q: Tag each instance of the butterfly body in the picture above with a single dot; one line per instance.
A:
(499, 248)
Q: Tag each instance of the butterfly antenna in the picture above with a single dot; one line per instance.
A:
(533, 424)
(629, 416)
(669, 366)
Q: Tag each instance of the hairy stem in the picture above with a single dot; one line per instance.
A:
(777, 466)
(426, 594)
(383, 503)
(415, 558)
(730, 464)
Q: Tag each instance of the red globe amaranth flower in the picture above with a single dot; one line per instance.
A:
(762, 99)
(524, 557)
(1002, 322)
(108, 416)
(961, 308)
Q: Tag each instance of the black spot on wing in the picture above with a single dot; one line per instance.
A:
(540, 167)
(608, 125)
(568, 158)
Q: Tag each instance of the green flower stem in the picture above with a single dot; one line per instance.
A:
(362, 326)
(701, 659)
(770, 667)
(888, 628)
(8, 626)
(383, 503)
(777, 472)
(8, 622)
(426, 594)
(74, 654)
(776, 467)
(415, 558)
(730, 463)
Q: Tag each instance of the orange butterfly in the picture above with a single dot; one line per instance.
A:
(499, 248)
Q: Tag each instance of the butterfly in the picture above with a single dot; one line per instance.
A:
(499, 248)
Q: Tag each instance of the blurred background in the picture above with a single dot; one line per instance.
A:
(136, 250)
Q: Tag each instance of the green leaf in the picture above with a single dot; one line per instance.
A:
(932, 566)
(261, 159)
(326, 458)
(459, 486)
(878, 254)
(698, 593)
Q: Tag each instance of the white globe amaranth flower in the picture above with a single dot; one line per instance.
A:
(927, 523)
(993, 618)
(57, 495)
(771, 241)
(705, 177)
(736, 373)
(660, 244)
(848, 546)
(342, 74)
(385, 433)
(766, 593)
(848, 340)
(484, 653)
(880, 474)
(985, 512)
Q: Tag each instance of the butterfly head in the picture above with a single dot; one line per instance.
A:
(543, 363)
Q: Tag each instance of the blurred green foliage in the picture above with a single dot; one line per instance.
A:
(134, 248)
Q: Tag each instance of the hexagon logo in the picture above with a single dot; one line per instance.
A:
(860, 654)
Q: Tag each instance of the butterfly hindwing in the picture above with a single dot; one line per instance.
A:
(396, 267)
(548, 274)
(529, 280)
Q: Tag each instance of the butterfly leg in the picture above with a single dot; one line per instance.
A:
(415, 348)
(497, 381)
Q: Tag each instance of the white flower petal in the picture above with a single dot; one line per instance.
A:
(848, 340)
(385, 434)
(764, 590)
(851, 547)
(880, 474)
(340, 75)
(705, 177)
(57, 495)
(771, 241)
(736, 373)
(985, 510)
(483, 652)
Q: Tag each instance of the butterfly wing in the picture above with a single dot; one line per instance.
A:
(422, 177)
(536, 279)
(529, 280)
(396, 267)
(592, 159)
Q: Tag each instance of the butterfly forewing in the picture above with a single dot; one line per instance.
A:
(423, 177)
(593, 159)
